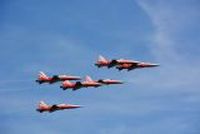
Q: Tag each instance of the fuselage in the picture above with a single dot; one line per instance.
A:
(109, 81)
(56, 79)
(52, 108)
(90, 84)
(66, 85)
(135, 66)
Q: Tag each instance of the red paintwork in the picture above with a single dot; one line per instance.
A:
(68, 77)
(125, 66)
(124, 61)
(43, 78)
(87, 83)
(68, 84)
(139, 65)
(90, 84)
(43, 107)
(102, 64)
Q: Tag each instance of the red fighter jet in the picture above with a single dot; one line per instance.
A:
(43, 78)
(109, 81)
(43, 107)
(122, 63)
(75, 86)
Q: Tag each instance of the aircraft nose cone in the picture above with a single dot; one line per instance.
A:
(79, 106)
(156, 65)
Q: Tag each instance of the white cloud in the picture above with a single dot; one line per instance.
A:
(169, 20)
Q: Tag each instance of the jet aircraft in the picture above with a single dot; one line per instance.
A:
(43, 78)
(88, 82)
(122, 63)
(43, 107)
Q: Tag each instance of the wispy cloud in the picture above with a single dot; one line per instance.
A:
(169, 20)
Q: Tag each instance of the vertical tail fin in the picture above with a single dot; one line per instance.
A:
(42, 104)
(88, 78)
(101, 58)
(42, 75)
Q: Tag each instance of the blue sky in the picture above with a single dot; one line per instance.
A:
(67, 37)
